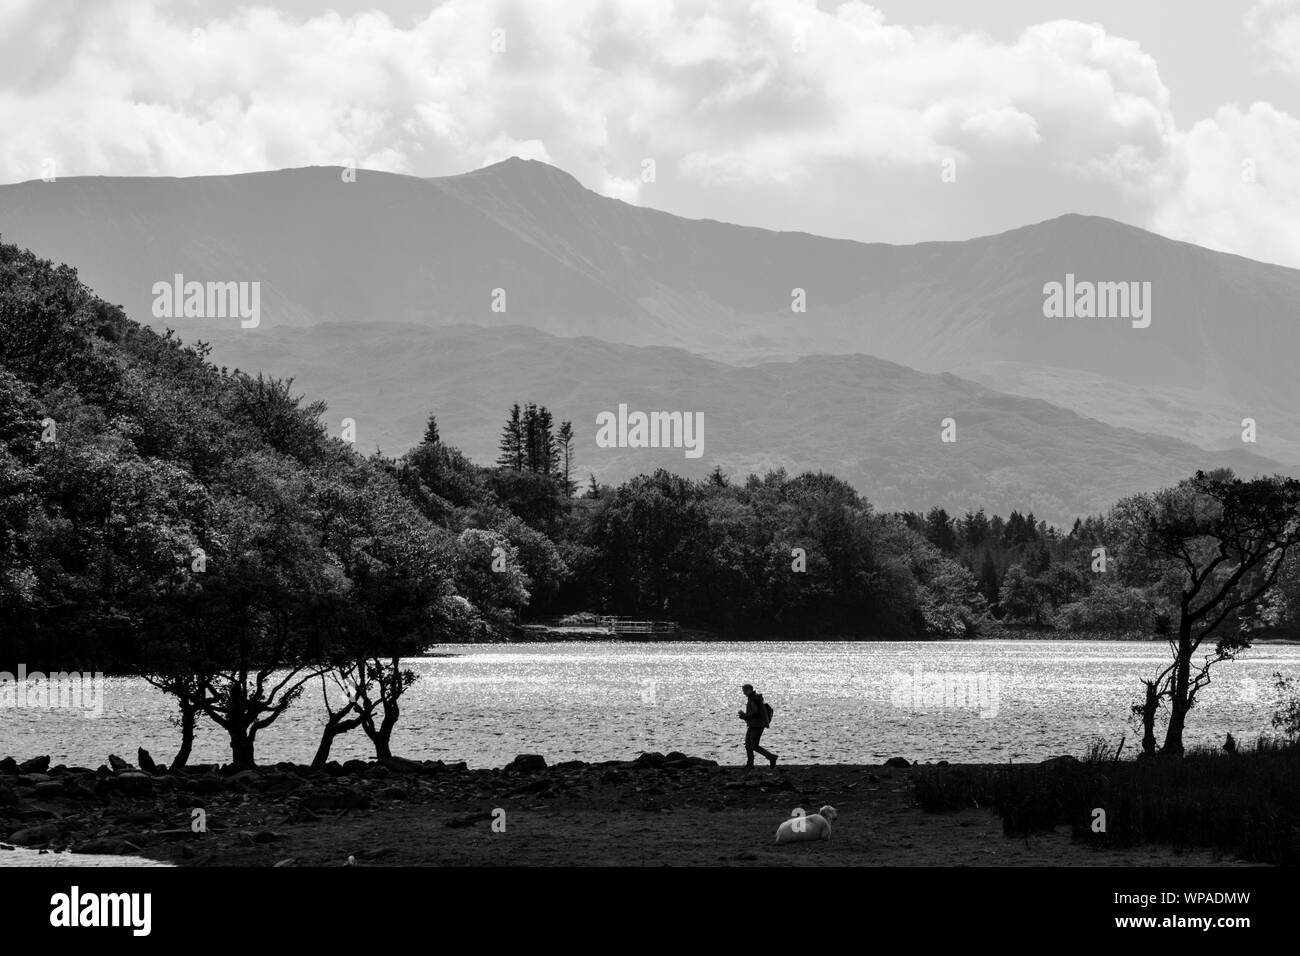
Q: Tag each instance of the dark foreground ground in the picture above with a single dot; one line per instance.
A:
(649, 812)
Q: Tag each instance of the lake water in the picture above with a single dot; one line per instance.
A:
(835, 703)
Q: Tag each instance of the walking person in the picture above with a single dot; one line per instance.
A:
(757, 716)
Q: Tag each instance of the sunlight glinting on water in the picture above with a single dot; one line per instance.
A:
(835, 703)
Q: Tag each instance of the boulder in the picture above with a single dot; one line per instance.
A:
(653, 759)
(355, 766)
(41, 833)
(146, 761)
(118, 764)
(8, 765)
(50, 790)
(898, 762)
(402, 765)
(8, 798)
(35, 765)
(132, 783)
(527, 763)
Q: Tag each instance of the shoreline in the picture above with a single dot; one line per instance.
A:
(657, 809)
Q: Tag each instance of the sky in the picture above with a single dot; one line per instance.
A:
(892, 121)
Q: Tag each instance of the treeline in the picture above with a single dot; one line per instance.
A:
(1033, 575)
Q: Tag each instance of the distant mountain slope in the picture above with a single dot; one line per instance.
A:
(1220, 347)
(871, 422)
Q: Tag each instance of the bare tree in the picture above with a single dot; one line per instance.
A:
(1211, 549)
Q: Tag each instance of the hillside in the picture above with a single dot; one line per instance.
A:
(874, 423)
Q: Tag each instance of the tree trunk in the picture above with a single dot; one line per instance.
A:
(1149, 719)
(326, 742)
(336, 726)
(241, 747)
(1178, 701)
(382, 735)
(189, 712)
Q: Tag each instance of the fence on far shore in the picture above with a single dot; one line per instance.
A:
(623, 625)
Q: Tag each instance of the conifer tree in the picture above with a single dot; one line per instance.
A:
(512, 441)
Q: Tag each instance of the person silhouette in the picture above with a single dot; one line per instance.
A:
(755, 717)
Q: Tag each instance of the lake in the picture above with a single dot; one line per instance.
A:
(835, 702)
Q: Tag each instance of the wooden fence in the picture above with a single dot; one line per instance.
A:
(622, 625)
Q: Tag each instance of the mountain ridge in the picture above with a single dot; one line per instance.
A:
(569, 262)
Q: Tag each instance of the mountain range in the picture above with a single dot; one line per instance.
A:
(396, 295)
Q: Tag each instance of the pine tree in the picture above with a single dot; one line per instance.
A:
(512, 441)
(548, 454)
(431, 431)
(530, 437)
(566, 453)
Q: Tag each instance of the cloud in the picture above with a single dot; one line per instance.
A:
(1234, 186)
(778, 112)
(1275, 26)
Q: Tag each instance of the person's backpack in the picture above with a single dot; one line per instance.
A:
(767, 714)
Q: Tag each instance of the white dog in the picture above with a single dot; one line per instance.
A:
(800, 827)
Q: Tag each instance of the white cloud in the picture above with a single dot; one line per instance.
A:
(753, 111)
(1235, 188)
(1275, 25)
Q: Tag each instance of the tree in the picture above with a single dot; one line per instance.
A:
(1210, 549)
(431, 432)
(988, 578)
(547, 455)
(1286, 716)
(268, 604)
(975, 528)
(398, 568)
(512, 441)
(939, 530)
(1020, 597)
(566, 457)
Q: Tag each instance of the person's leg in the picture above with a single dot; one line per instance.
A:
(751, 740)
(758, 735)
